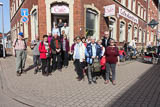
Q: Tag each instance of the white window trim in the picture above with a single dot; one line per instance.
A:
(130, 24)
(124, 36)
(98, 18)
(115, 27)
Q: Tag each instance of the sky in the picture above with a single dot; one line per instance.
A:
(6, 12)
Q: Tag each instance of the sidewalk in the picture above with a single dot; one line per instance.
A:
(63, 90)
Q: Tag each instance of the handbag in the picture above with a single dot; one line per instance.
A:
(96, 65)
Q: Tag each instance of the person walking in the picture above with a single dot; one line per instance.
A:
(36, 55)
(65, 50)
(20, 46)
(56, 47)
(93, 51)
(112, 57)
(79, 57)
(45, 51)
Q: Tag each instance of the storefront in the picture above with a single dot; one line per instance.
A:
(59, 11)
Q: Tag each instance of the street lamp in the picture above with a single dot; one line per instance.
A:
(1, 4)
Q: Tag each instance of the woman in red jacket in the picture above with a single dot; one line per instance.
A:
(112, 57)
(45, 51)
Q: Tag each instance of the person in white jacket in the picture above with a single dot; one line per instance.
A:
(132, 45)
(79, 57)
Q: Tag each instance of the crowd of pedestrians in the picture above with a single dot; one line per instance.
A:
(90, 56)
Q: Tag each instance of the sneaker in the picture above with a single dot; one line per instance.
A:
(106, 82)
(18, 74)
(114, 82)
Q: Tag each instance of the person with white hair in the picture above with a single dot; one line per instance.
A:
(93, 51)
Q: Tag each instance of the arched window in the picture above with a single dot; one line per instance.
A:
(129, 33)
(122, 31)
(113, 29)
(135, 32)
(140, 36)
(91, 22)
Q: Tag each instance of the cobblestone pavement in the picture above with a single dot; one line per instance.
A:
(138, 85)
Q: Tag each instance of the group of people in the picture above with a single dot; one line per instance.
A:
(55, 48)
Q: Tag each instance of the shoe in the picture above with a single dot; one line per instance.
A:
(35, 71)
(106, 82)
(80, 79)
(94, 82)
(89, 82)
(60, 70)
(114, 82)
(18, 74)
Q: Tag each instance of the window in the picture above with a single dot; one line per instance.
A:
(34, 25)
(152, 37)
(129, 4)
(135, 32)
(123, 2)
(140, 36)
(144, 37)
(129, 33)
(134, 6)
(139, 7)
(147, 36)
(17, 5)
(21, 26)
(91, 22)
(122, 31)
(142, 12)
(113, 26)
(25, 30)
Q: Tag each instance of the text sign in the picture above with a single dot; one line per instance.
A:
(109, 10)
(60, 9)
(24, 19)
(24, 12)
(128, 15)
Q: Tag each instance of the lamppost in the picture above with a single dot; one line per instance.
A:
(1, 4)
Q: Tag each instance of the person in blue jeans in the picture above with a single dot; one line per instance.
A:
(93, 50)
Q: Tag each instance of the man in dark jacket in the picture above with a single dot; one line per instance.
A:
(56, 53)
(106, 39)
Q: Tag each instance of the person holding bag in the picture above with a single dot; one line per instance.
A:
(112, 57)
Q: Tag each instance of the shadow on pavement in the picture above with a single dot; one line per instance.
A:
(29, 68)
(144, 93)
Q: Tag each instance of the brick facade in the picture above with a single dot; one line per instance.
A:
(79, 17)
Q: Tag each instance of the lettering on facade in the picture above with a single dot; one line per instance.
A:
(128, 15)
(60, 9)
(109, 10)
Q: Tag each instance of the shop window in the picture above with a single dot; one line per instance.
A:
(134, 6)
(140, 36)
(113, 26)
(129, 4)
(123, 2)
(91, 22)
(129, 33)
(122, 31)
(135, 32)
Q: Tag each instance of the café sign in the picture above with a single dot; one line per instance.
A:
(60, 9)
(128, 15)
(109, 10)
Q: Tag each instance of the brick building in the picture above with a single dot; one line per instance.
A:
(152, 14)
(125, 19)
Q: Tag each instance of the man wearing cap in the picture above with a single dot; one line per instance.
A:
(20, 47)
(93, 51)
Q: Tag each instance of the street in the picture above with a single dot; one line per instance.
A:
(138, 85)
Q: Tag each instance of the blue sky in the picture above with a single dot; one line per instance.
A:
(6, 16)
